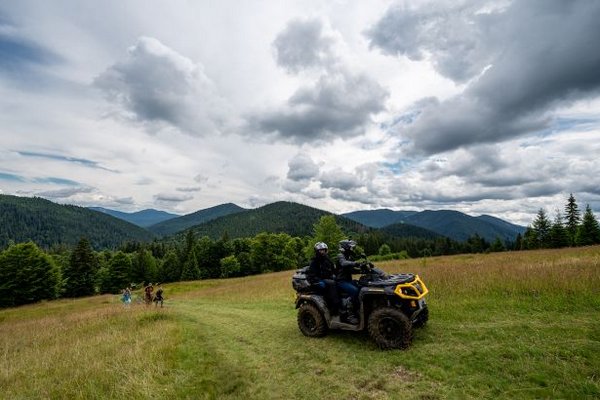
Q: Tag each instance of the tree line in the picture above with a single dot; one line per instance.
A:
(29, 273)
(568, 229)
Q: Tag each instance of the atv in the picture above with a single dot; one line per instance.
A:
(390, 306)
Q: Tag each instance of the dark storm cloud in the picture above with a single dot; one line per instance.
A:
(524, 61)
(340, 104)
(302, 44)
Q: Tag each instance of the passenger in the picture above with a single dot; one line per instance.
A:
(320, 273)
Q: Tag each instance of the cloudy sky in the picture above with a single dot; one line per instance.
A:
(485, 108)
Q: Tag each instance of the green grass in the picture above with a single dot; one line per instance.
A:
(511, 325)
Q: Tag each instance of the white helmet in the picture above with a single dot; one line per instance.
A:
(320, 246)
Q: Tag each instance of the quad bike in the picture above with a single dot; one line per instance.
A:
(390, 306)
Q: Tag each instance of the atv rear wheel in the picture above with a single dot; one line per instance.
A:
(390, 328)
(310, 321)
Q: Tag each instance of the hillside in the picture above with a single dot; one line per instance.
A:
(453, 224)
(144, 218)
(503, 326)
(184, 222)
(47, 223)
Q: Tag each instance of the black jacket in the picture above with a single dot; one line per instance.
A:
(346, 266)
(320, 268)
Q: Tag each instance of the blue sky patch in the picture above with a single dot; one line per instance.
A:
(11, 177)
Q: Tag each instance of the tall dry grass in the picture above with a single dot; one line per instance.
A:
(548, 272)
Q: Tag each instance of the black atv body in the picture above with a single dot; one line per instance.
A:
(390, 306)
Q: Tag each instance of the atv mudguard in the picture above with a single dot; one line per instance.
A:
(318, 301)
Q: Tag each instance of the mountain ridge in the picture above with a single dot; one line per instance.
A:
(143, 218)
(453, 224)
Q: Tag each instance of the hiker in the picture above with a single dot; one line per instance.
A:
(159, 296)
(126, 299)
(148, 293)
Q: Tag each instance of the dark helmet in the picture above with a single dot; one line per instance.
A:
(320, 246)
(347, 246)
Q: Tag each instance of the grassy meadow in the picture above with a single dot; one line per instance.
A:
(521, 325)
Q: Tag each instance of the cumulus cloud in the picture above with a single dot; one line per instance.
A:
(302, 167)
(303, 44)
(172, 197)
(521, 63)
(156, 85)
(340, 179)
(339, 104)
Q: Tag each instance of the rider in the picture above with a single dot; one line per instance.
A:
(321, 274)
(346, 266)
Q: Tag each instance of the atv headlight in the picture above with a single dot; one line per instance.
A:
(414, 290)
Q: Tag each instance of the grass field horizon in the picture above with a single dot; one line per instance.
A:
(503, 325)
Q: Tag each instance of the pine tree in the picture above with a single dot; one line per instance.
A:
(541, 226)
(80, 272)
(119, 272)
(572, 219)
(190, 271)
(519, 242)
(170, 270)
(144, 267)
(589, 231)
(27, 275)
(328, 231)
(558, 234)
(497, 245)
(530, 239)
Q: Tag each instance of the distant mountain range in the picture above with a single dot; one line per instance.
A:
(453, 224)
(144, 218)
(47, 223)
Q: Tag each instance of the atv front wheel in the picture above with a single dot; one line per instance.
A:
(422, 319)
(310, 321)
(390, 328)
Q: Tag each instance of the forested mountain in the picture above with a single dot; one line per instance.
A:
(378, 218)
(280, 217)
(47, 223)
(453, 224)
(184, 222)
(459, 226)
(144, 218)
(406, 230)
